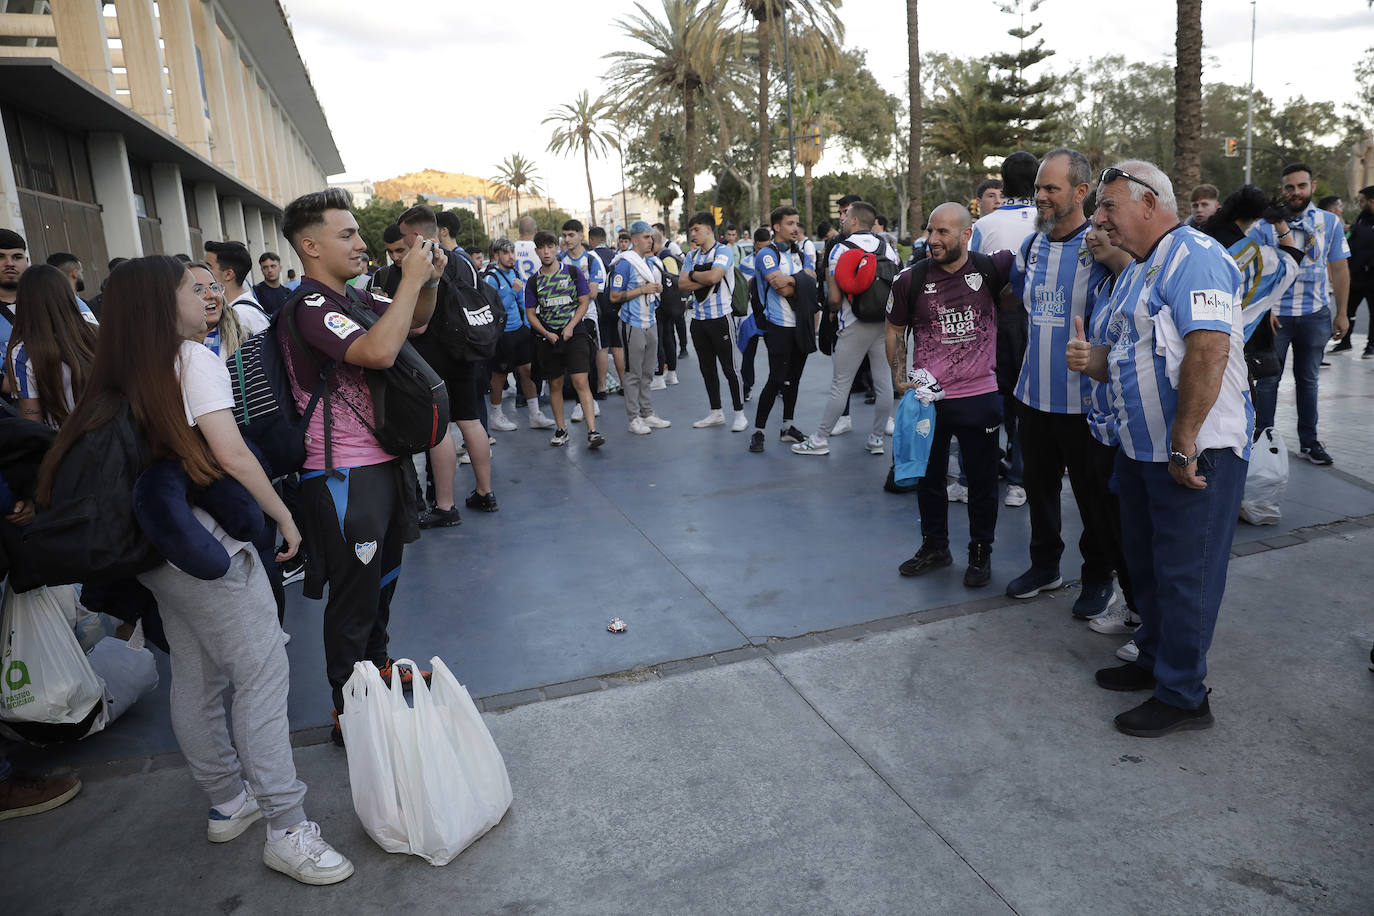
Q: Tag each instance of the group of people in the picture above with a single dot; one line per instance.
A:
(1078, 317)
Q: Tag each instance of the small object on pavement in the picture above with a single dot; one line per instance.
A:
(616, 625)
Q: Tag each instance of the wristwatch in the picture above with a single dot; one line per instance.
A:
(1180, 460)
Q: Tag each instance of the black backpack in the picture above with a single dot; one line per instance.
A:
(982, 262)
(871, 304)
(87, 532)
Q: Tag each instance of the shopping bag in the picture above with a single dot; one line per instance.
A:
(368, 726)
(483, 765)
(46, 678)
(1266, 480)
(128, 672)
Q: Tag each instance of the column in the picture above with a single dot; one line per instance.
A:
(252, 232)
(11, 217)
(143, 61)
(232, 65)
(171, 208)
(179, 39)
(271, 168)
(270, 242)
(207, 210)
(232, 214)
(114, 191)
(221, 120)
(80, 28)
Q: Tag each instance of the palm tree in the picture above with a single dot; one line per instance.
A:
(686, 55)
(964, 121)
(579, 127)
(814, 122)
(515, 174)
(815, 31)
(1188, 98)
(913, 86)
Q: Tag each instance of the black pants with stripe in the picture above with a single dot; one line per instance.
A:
(786, 361)
(714, 341)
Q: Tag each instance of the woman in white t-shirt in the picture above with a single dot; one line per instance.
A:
(51, 348)
(223, 633)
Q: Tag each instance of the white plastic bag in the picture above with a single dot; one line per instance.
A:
(1266, 480)
(426, 780)
(44, 676)
(128, 673)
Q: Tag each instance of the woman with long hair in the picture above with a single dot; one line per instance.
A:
(224, 331)
(224, 632)
(51, 348)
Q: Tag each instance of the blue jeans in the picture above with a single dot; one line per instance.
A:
(1308, 335)
(1177, 543)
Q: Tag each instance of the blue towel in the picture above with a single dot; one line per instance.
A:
(748, 330)
(912, 433)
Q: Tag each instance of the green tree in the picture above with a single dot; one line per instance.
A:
(579, 128)
(1024, 104)
(651, 158)
(373, 220)
(470, 229)
(543, 216)
(962, 120)
(515, 175)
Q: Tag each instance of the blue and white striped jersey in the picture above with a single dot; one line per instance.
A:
(638, 312)
(1321, 237)
(1101, 415)
(1057, 282)
(590, 266)
(1266, 273)
(770, 259)
(717, 304)
(1187, 283)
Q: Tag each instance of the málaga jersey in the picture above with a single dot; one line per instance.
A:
(717, 302)
(590, 266)
(1321, 237)
(526, 258)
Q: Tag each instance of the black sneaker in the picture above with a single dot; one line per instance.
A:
(892, 486)
(440, 518)
(1129, 676)
(335, 732)
(560, 437)
(870, 397)
(1368, 353)
(1154, 718)
(929, 557)
(756, 441)
(1034, 581)
(1093, 600)
(293, 570)
(791, 434)
(746, 394)
(1317, 454)
(979, 572)
(1342, 345)
(482, 502)
(595, 439)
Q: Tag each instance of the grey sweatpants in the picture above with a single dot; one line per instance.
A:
(863, 338)
(224, 633)
(641, 359)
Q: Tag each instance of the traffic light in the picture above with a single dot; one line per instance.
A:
(1232, 147)
(718, 214)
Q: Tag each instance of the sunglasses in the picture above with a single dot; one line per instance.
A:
(1112, 174)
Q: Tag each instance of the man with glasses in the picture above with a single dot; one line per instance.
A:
(1172, 352)
(1302, 318)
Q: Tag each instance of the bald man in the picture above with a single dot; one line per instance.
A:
(949, 304)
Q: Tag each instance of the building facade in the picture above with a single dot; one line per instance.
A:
(137, 128)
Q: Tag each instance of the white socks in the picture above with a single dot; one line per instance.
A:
(275, 834)
(232, 807)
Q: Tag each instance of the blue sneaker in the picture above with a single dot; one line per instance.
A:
(1034, 581)
(1094, 601)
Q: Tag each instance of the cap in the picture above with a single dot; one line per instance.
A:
(10, 239)
(639, 227)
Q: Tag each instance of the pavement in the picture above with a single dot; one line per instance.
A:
(790, 727)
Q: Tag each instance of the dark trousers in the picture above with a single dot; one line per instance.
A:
(1052, 443)
(1101, 470)
(714, 341)
(667, 340)
(1178, 544)
(359, 527)
(974, 421)
(785, 364)
(1361, 290)
(746, 363)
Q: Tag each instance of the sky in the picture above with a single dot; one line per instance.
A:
(472, 84)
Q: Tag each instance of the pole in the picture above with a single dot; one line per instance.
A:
(624, 206)
(1250, 98)
(791, 142)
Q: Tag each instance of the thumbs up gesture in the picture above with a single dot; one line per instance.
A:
(1078, 350)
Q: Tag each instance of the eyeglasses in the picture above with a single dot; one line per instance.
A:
(200, 289)
(1112, 174)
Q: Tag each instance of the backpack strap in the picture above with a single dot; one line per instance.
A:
(323, 371)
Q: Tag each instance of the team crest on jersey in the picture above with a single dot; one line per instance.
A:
(314, 299)
(1150, 274)
(923, 428)
(1032, 258)
(1084, 256)
(365, 551)
(974, 281)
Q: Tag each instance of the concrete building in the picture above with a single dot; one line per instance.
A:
(138, 128)
(362, 192)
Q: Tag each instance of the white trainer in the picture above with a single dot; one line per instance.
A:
(639, 427)
(875, 445)
(842, 425)
(221, 828)
(1114, 621)
(538, 420)
(891, 425)
(811, 446)
(654, 421)
(741, 422)
(670, 377)
(499, 421)
(958, 493)
(1128, 652)
(714, 418)
(658, 384)
(596, 409)
(304, 855)
(577, 413)
(1016, 496)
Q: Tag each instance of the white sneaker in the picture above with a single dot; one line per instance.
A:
(957, 493)
(639, 427)
(1128, 652)
(875, 445)
(539, 421)
(596, 409)
(500, 422)
(1016, 496)
(714, 418)
(811, 446)
(1115, 620)
(741, 422)
(304, 855)
(891, 425)
(670, 377)
(221, 828)
(577, 413)
(842, 426)
(658, 384)
(654, 421)
(465, 458)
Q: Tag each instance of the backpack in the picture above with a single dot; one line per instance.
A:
(475, 319)
(870, 304)
(670, 300)
(88, 532)
(739, 293)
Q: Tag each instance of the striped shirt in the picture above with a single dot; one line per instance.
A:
(868, 241)
(1101, 415)
(1266, 274)
(1321, 237)
(770, 260)
(639, 311)
(1058, 282)
(1005, 228)
(717, 303)
(590, 266)
(1186, 283)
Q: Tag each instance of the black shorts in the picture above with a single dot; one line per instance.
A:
(610, 327)
(514, 349)
(463, 378)
(571, 356)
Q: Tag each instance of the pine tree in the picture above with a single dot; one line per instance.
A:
(1024, 103)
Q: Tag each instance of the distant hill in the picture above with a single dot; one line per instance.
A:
(432, 181)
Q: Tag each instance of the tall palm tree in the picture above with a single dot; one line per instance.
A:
(913, 87)
(686, 54)
(579, 126)
(814, 29)
(1188, 98)
(963, 119)
(814, 122)
(515, 174)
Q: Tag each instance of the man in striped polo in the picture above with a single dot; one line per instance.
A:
(1173, 353)
(708, 274)
(1057, 280)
